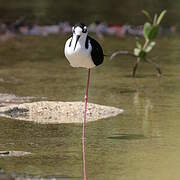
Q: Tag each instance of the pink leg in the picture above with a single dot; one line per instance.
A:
(84, 127)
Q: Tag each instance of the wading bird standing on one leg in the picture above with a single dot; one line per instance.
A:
(83, 51)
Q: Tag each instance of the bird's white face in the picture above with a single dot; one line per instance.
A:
(79, 31)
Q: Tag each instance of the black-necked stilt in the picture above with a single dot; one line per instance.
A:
(83, 51)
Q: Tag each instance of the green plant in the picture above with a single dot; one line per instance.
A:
(150, 32)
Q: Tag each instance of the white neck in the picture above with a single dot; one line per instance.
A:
(81, 41)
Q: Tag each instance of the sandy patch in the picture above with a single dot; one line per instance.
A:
(13, 153)
(57, 112)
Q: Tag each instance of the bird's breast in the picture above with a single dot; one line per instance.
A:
(80, 57)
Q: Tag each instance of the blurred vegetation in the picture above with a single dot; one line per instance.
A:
(142, 49)
(114, 11)
(150, 33)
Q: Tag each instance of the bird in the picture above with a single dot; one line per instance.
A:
(82, 51)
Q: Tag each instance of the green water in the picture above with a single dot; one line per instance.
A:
(140, 144)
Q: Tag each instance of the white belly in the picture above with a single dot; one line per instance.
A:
(80, 57)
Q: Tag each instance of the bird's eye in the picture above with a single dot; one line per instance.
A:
(84, 29)
(73, 29)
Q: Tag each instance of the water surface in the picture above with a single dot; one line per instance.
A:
(143, 143)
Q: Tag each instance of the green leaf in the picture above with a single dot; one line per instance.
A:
(155, 19)
(147, 15)
(139, 46)
(161, 17)
(137, 51)
(142, 54)
(150, 46)
(154, 32)
(147, 30)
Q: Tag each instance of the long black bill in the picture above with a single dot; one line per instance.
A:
(77, 39)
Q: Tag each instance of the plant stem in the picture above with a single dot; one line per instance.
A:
(122, 53)
(156, 66)
(145, 44)
(135, 67)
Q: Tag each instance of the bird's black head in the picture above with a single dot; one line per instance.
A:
(79, 29)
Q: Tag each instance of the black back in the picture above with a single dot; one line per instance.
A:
(97, 52)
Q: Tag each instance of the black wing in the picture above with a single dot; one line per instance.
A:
(97, 52)
(70, 41)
